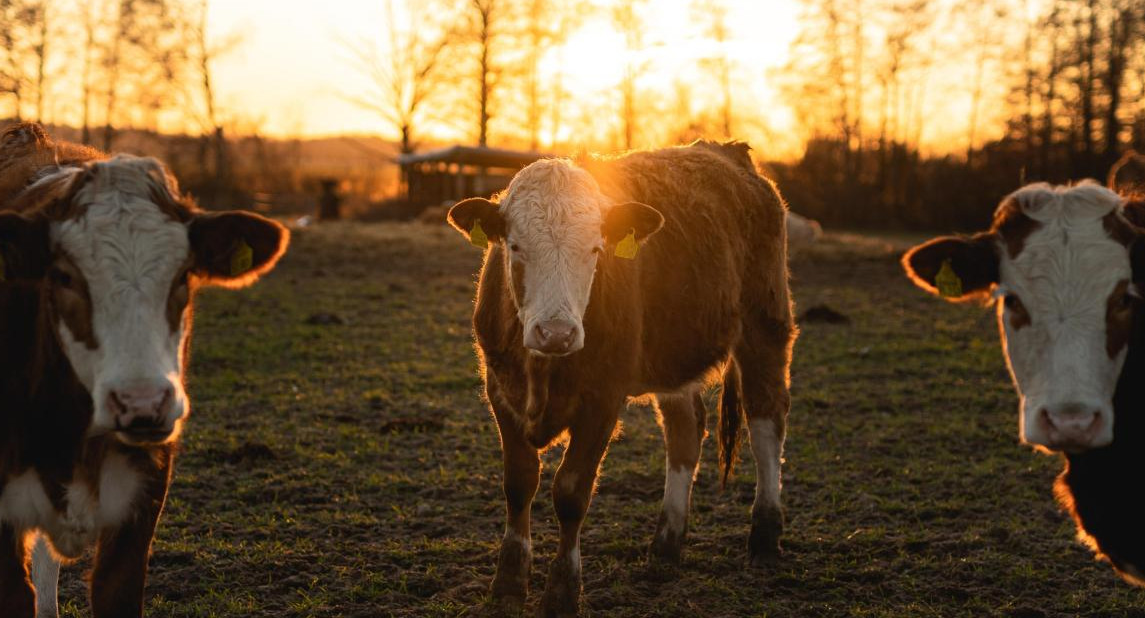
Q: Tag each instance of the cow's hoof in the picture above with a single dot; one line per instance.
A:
(513, 565)
(508, 605)
(667, 544)
(562, 591)
(763, 543)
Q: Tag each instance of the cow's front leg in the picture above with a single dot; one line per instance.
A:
(17, 598)
(46, 579)
(522, 476)
(572, 491)
(119, 569)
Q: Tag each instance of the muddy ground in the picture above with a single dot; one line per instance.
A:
(340, 463)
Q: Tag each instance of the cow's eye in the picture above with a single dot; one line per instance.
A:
(61, 278)
(1012, 302)
(514, 247)
(598, 250)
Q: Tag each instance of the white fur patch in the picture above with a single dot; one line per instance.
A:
(677, 494)
(768, 452)
(1063, 276)
(45, 578)
(129, 252)
(553, 211)
(23, 503)
(25, 506)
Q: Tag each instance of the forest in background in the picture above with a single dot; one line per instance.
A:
(1040, 90)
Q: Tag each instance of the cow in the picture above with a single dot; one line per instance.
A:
(1065, 265)
(651, 274)
(801, 232)
(100, 259)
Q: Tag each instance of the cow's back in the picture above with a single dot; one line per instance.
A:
(720, 255)
(26, 151)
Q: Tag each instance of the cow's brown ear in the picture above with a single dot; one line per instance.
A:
(24, 248)
(955, 267)
(478, 219)
(635, 218)
(234, 248)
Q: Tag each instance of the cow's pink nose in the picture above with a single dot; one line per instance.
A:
(1071, 426)
(553, 337)
(141, 408)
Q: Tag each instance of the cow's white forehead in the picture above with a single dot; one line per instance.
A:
(552, 198)
(1065, 205)
(1070, 260)
(119, 234)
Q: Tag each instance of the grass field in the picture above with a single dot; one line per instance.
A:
(340, 463)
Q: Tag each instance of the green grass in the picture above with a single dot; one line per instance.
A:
(351, 470)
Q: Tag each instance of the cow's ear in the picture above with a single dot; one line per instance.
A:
(478, 219)
(24, 247)
(955, 267)
(234, 248)
(640, 220)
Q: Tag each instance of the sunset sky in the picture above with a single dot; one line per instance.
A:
(292, 69)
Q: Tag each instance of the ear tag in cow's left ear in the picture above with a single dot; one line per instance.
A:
(947, 282)
(628, 247)
(242, 259)
(477, 235)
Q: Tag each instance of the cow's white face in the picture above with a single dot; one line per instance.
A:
(120, 283)
(1059, 262)
(124, 257)
(556, 226)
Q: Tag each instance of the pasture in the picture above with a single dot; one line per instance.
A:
(340, 463)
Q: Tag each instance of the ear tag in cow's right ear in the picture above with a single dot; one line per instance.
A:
(242, 259)
(947, 282)
(628, 247)
(477, 236)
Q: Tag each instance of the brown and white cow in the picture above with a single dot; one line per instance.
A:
(589, 296)
(101, 258)
(1065, 264)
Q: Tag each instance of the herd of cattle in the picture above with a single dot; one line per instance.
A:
(655, 274)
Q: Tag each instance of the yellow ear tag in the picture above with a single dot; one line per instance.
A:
(477, 236)
(242, 259)
(627, 248)
(948, 283)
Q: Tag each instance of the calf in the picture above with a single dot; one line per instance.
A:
(1065, 265)
(588, 296)
(100, 259)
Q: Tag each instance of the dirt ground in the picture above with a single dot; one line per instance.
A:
(340, 463)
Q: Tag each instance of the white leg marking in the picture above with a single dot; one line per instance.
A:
(511, 536)
(768, 451)
(677, 493)
(45, 577)
(574, 558)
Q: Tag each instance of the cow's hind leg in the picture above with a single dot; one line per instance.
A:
(683, 417)
(763, 358)
(572, 491)
(46, 579)
(522, 468)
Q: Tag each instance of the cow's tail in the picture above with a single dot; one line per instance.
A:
(731, 419)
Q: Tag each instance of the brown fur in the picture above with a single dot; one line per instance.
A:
(708, 289)
(46, 411)
(1118, 319)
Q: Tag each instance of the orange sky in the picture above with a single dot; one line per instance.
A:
(291, 71)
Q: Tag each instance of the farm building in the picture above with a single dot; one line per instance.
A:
(457, 172)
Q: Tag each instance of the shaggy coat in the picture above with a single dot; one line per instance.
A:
(65, 483)
(705, 299)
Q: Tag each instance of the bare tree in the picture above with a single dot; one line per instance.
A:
(628, 20)
(712, 15)
(409, 74)
(547, 24)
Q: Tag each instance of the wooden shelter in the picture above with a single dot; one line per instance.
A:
(457, 172)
